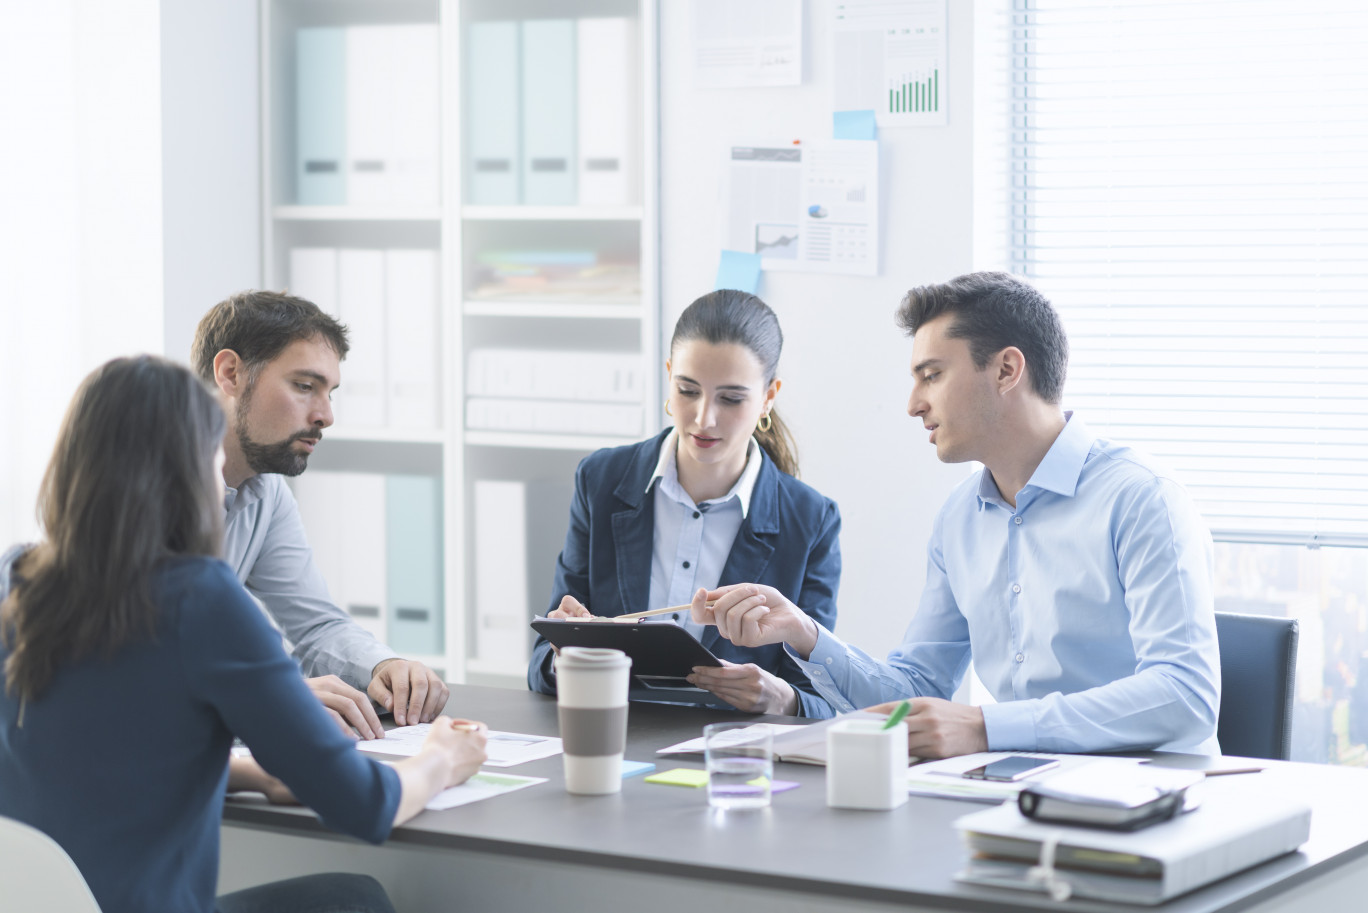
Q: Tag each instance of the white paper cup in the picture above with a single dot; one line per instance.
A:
(866, 765)
(591, 688)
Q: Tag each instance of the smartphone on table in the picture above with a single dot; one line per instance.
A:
(1007, 770)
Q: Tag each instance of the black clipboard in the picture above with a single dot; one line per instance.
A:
(662, 654)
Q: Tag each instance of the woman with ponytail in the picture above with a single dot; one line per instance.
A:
(713, 500)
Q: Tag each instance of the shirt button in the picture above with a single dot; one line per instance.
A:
(686, 564)
(1021, 657)
(816, 671)
(1016, 587)
(828, 660)
(675, 616)
(1016, 520)
(697, 515)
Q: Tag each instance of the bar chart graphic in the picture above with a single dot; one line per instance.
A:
(890, 56)
(915, 92)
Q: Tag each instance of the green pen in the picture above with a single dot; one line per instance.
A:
(899, 712)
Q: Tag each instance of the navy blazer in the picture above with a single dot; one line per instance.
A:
(788, 540)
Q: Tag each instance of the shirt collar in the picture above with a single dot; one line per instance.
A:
(1058, 472)
(667, 470)
(244, 494)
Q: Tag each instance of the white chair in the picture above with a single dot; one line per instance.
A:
(38, 875)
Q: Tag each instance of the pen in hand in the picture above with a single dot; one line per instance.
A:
(899, 712)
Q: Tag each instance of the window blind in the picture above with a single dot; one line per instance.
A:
(1188, 183)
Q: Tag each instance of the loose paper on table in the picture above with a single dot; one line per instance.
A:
(890, 55)
(750, 43)
(504, 748)
(811, 206)
(945, 779)
(481, 786)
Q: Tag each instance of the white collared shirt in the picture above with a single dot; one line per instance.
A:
(691, 542)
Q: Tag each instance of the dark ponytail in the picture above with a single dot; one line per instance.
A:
(729, 316)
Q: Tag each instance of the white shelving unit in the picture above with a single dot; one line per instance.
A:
(470, 317)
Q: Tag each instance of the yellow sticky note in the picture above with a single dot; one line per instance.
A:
(680, 776)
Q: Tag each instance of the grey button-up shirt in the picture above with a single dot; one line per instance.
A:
(265, 545)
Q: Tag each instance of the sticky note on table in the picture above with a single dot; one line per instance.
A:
(854, 125)
(738, 270)
(680, 776)
(632, 768)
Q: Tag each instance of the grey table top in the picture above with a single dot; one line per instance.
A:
(908, 855)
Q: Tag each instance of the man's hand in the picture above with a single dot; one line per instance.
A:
(349, 707)
(747, 687)
(941, 729)
(752, 615)
(410, 689)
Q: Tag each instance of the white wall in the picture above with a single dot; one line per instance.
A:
(211, 174)
(845, 365)
(80, 217)
(129, 199)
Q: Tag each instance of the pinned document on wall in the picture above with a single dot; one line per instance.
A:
(890, 56)
(740, 43)
(809, 207)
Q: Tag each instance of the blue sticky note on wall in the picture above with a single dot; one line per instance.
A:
(854, 125)
(739, 271)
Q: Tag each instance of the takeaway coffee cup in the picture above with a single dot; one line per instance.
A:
(591, 684)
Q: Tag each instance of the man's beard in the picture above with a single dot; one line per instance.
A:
(279, 457)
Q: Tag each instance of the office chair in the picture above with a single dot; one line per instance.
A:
(1258, 672)
(37, 874)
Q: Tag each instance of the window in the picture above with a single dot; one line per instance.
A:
(1188, 183)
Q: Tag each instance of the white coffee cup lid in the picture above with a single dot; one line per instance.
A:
(593, 657)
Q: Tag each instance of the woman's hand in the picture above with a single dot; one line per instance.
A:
(460, 744)
(747, 687)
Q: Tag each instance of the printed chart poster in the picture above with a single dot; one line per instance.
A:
(811, 207)
(741, 43)
(889, 56)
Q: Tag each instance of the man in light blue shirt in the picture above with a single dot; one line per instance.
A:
(1075, 574)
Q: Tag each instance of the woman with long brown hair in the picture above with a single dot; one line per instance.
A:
(712, 500)
(132, 657)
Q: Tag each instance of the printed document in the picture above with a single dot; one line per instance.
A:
(740, 43)
(890, 56)
(505, 749)
(481, 786)
(809, 206)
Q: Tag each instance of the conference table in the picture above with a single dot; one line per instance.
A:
(661, 848)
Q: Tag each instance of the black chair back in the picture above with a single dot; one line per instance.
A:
(1258, 673)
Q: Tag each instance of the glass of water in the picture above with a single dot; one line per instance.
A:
(740, 762)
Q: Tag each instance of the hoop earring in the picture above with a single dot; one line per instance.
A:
(765, 423)
(667, 408)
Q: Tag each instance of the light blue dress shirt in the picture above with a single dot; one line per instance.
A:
(691, 542)
(1087, 608)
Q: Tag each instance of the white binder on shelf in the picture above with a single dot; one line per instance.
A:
(606, 61)
(343, 514)
(502, 609)
(412, 338)
(548, 112)
(313, 276)
(320, 116)
(493, 114)
(369, 85)
(415, 114)
(360, 400)
(413, 528)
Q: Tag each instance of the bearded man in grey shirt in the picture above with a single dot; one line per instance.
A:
(275, 360)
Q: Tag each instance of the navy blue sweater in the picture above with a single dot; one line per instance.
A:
(123, 760)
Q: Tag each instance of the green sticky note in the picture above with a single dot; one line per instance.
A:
(680, 776)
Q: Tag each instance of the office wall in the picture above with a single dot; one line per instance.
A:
(211, 174)
(80, 217)
(845, 366)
